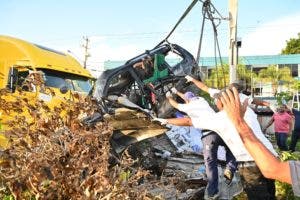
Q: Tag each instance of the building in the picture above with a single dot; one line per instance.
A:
(255, 63)
(259, 62)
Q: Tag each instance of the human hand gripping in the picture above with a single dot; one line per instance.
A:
(232, 105)
(168, 94)
(174, 90)
(189, 78)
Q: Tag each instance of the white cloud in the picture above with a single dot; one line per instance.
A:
(102, 50)
(270, 38)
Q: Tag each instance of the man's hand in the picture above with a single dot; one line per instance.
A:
(189, 78)
(168, 94)
(161, 121)
(174, 90)
(232, 105)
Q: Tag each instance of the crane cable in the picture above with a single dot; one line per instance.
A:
(208, 9)
(179, 21)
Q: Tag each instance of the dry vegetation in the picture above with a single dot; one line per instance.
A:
(57, 157)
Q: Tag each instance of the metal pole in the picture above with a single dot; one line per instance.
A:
(86, 47)
(233, 5)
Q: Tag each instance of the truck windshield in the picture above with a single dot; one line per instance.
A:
(71, 81)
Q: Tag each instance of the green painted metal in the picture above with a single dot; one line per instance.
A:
(159, 59)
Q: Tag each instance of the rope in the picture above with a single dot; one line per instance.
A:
(208, 11)
(204, 11)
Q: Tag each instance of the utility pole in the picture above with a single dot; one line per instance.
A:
(233, 48)
(86, 47)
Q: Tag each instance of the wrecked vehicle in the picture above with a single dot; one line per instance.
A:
(141, 84)
(146, 78)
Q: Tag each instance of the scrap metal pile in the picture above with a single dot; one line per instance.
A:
(105, 146)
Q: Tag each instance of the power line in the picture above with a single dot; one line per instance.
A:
(152, 34)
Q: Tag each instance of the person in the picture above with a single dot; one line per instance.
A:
(212, 92)
(282, 126)
(296, 131)
(270, 166)
(247, 173)
(254, 183)
(211, 142)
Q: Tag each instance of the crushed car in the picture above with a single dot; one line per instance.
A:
(146, 78)
(132, 95)
(141, 84)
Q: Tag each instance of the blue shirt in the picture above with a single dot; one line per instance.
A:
(297, 119)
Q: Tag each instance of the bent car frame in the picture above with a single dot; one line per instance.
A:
(146, 78)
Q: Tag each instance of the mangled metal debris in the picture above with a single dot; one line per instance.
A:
(132, 95)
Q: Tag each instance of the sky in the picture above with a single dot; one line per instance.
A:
(119, 29)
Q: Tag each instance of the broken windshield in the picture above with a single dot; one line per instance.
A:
(73, 82)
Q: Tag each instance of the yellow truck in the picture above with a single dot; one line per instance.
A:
(23, 63)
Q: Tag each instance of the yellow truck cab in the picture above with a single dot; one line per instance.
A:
(21, 61)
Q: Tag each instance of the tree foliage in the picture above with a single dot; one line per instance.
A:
(219, 76)
(275, 76)
(292, 46)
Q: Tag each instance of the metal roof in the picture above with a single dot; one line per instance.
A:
(246, 60)
(255, 60)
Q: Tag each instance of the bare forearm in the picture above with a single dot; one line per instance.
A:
(181, 95)
(173, 103)
(269, 123)
(260, 102)
(200, 85)
(269, 165)
(180, 121)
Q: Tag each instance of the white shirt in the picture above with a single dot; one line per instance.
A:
(197, 106)
(220, 123)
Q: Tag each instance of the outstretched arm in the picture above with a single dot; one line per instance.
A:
(181, 95)
(173, 102)
(259, 102)
(185, 121)
(268, 124)
(269, 165)
(198, 83)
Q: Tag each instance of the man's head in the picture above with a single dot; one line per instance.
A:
(237, 85)
(217, 96)
(282, 108)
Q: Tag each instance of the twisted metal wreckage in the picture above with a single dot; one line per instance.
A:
(133, 94)
(141, 83)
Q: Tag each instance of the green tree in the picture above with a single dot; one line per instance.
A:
(292, 46)
(275, 76)
(219, 76)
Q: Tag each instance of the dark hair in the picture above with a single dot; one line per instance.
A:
(238, 86)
